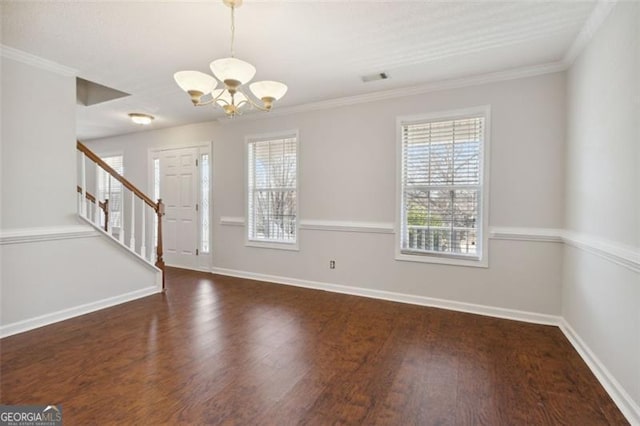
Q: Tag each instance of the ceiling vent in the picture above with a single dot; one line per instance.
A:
(89, 93)
(374, 77)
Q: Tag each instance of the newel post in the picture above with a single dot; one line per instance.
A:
(105, 209)
(159, 259)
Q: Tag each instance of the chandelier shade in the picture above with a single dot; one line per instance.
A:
(234, 73)
(233, 69)
(195, 81)
(268, 89)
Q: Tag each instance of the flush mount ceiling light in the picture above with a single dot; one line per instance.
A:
(140, 118)
(233, 73)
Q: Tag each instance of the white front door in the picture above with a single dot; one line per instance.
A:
(179, 193)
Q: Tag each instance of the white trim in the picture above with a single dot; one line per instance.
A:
(442, 260)
(232, 220)
(114, 240)
(203, 147)
(272, 245)
(42, 320)
(452, 305)
(346, 226)
(626, 256)
(598, 15)
(485, 154)
(31, 235)
(551, 235)
(266, 137)
(493, 77)
(625, 403)
(36, 61)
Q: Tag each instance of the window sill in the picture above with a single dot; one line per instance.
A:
(482, 263)
(272, 245)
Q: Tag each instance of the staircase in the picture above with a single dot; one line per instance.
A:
(139, 217)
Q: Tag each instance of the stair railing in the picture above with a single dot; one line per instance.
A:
(99, 212)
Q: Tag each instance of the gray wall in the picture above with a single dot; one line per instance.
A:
(347, 169)
(601, 298)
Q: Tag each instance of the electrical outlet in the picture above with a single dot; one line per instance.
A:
(332, 264)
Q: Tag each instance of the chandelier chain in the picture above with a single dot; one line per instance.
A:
(233, 31)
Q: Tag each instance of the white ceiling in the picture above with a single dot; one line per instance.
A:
(320, 49)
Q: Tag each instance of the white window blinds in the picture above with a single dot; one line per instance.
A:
(272, 191)
(442, 187)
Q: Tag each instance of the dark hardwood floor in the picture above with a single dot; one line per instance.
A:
(219, 350)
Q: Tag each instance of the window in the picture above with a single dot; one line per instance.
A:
(111, 189)
(272, 203)
(204, 203)
(442, 193)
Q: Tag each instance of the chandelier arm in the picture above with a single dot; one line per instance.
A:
(213, 100)
(209, 102)
(252, 103)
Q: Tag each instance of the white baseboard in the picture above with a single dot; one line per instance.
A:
(625, 403)
(41, 321)
(512, 314)
(621, 398)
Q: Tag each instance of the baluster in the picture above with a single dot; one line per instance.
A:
(121, 235)
(132, 240)
(83, 182)
(143, 242)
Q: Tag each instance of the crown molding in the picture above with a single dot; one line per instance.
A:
(36, 61)
(599, 14)
(476, 80)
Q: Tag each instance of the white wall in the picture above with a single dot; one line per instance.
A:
(601, 299)
(38, 147)
(45, 278)
(44, 281)
(347, 163)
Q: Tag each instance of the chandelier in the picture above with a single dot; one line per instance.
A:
(234, 74)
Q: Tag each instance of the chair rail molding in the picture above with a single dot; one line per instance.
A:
(52, 233)
(232, 220)
(348, 226)
(626, 256)
(551, 235)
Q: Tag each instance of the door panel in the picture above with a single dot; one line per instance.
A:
(178, 190)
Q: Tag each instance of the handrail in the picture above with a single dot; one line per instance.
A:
(107, 168)
(158, 206)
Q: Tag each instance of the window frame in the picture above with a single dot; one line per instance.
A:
(485, 152)
(201, 195)
(249, 139)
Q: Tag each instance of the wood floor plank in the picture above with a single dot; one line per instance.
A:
(229, 351)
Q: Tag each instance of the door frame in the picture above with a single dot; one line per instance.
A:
(205, 260)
